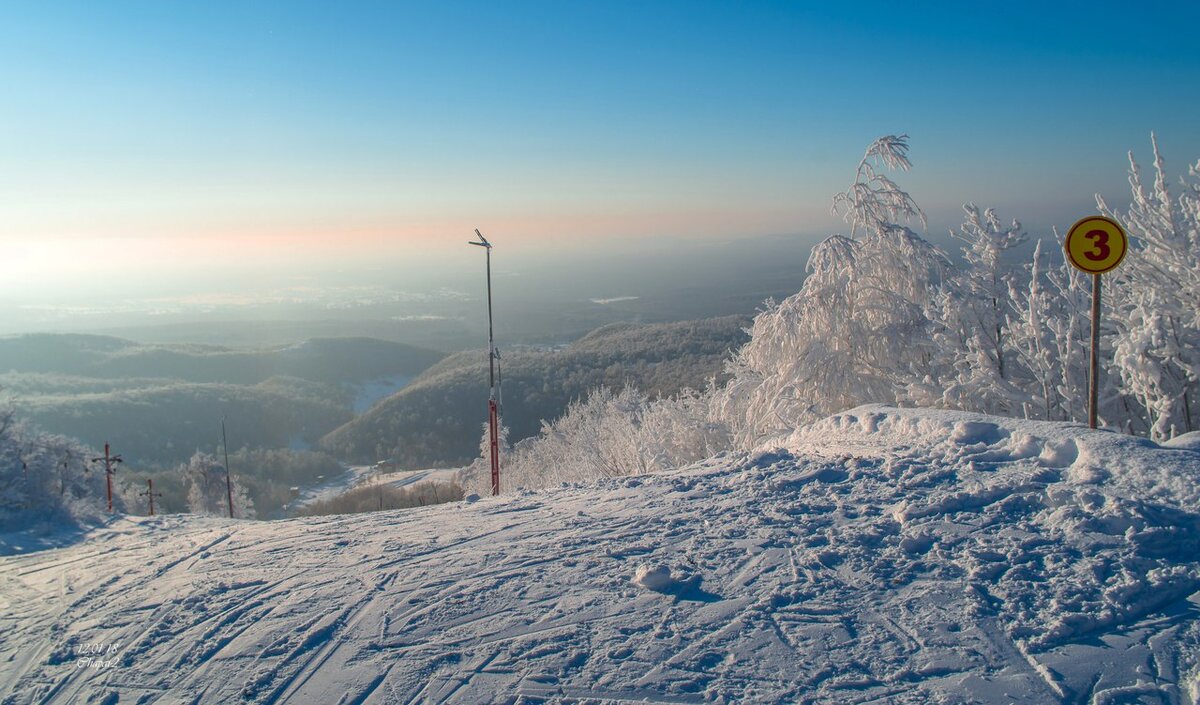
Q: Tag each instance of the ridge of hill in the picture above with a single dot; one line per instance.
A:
(880, 555)
(327, 360)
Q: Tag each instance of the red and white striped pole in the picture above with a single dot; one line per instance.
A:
(493, 425)
(493, 414)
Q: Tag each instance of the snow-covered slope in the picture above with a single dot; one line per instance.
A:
(880, 556)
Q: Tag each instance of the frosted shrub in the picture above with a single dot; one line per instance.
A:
(974, 311)
(207, 492)
(608, 434)
(48, 478)
(1155, 294)
(1049, 333)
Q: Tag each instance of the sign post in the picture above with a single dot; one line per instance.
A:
(1095, 245)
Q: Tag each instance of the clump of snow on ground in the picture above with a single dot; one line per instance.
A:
(655, 577)
(1187, 441)
(879, 556)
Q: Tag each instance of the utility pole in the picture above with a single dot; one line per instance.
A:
(109, 462)
(379, 487)
(493, 414)
(62, 476)
(151, 494)
(228, 480)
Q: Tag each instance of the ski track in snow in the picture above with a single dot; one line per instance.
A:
(880, 556)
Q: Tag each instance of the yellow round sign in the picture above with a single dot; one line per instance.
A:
(1096, 244)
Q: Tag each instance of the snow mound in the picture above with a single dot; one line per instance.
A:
(1059, 530)
(654, 577)
(879, 556)
(1188, 441)
(1133, 466)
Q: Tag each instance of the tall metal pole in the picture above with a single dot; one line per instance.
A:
(1094, 372)
(108, 476)
(228, 481)
(108, 472)
(150, 494)
(493, 415)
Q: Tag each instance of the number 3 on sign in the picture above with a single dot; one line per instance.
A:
(1095, 244)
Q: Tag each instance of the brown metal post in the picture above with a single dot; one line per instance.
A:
(228, 478)
(150, 494)
(108, 476)
(108, 459)
(1094, 373)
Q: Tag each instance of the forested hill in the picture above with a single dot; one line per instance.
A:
(437, 419)
(330, 360)
(158, 403)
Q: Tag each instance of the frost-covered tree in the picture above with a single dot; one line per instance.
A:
(973, 311)
(858, 330)
(1049, 336)
(47, 478)
(207, 492)
(1156, 301)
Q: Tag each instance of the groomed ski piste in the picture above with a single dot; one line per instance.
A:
(881, 555)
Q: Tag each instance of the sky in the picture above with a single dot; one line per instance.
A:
(151, 146)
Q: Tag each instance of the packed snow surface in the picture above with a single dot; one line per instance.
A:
(878, 556)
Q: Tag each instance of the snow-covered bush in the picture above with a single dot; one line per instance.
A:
(974, 310)
(47, 478)
(207, 492)
(1155, 295)
(1049, 332)
(608, 434)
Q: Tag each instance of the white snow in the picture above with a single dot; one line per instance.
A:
(655, 577)
(1188, 441)
(371, 392)
(880, 555)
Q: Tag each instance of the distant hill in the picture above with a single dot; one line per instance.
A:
(163, 424)
(438, 418)
(329, 360)
(158, 403)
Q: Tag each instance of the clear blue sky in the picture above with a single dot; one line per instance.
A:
(298, 131)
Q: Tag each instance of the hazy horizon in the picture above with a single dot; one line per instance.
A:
(167, 164)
